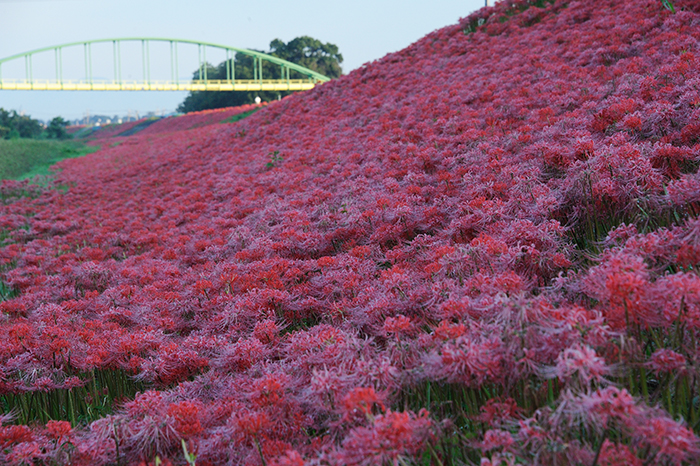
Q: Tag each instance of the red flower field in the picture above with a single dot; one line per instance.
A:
(482, 249)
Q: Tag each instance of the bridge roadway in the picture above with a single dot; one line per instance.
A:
(209, 85)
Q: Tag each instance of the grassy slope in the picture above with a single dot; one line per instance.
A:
(240, 116)
(22, 159)
(27, 158)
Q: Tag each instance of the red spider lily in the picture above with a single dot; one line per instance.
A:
(11, 435)
(58, 429)
(582, 362)
(497, 439)
(186, 417)
(667, 361)
(362, 402)
(391, 436)
(613, 454)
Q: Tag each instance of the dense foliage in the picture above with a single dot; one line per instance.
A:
(480, 249)
(56, 129)
(14, 125)
(310, 53)
(305, 51)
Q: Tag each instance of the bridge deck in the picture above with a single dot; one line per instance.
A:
(211, 85)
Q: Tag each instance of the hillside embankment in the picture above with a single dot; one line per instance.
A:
(482, 249)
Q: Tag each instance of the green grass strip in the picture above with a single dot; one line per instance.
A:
(26, 158)
(240, 116)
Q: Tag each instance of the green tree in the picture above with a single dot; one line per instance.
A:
(8, 130)
(310, 53)
(305, 51)
(57, 129)
(18, 126)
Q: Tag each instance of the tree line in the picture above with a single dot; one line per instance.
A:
(306, 51)
(14, 125)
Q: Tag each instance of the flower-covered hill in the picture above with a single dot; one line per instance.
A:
(171, 123)
(481, 248)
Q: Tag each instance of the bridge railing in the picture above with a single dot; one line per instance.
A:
(107, 85)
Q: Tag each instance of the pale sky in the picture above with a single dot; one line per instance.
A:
(363, 30)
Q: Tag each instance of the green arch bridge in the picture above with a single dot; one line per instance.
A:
(231, 83)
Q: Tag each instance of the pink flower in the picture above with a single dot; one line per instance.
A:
(398, 325)
(362, 402)
(495, 438)
(393, 435)
(667, 361)
(670, 439)
(583, 363)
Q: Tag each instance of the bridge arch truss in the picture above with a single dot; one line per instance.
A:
(260, 82)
